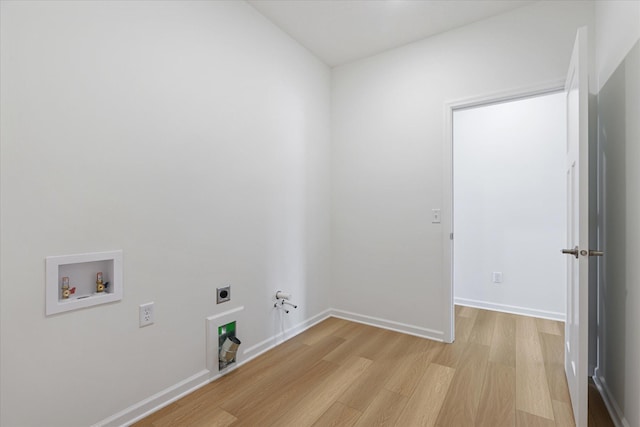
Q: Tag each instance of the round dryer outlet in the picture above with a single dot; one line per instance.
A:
(223, 294)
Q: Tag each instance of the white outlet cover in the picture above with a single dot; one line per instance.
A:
(146, 314)
(435, 216)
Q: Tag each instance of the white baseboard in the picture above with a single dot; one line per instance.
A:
(617, 416)
(165, 397)
(543, 314)
(159, 400)
(389, 324)
(266, 345)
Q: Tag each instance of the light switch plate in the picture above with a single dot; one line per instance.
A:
(435, 216)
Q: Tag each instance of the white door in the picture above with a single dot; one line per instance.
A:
(577, 249)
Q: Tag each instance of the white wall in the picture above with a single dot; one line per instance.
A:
(618, 63)
(387, 151)
(192, 135)
(509, 205)
(617, 30)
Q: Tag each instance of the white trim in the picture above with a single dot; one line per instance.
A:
(165, 397)
(616, 414)
(88, 296)
(513, 309)
(447, 227)
(550, 86)
(226, 313)
(169, 395)
(278, 339)
(159, 400)
(390, 325)
(212, 323)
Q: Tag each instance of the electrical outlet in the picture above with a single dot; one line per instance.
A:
(147, 316)
(497, 277)
(223, 294)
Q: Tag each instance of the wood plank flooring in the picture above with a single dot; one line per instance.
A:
(503, 370)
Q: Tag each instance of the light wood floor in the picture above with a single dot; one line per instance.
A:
(503, 370)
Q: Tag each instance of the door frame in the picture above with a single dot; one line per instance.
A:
(545, 88)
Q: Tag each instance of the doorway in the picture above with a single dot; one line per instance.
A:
(509, 204)
(511, 158)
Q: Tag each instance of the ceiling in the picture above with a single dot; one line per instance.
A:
(340, 31)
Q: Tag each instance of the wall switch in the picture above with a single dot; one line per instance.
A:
(147, 316)
(497, 277)
(435, 216)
